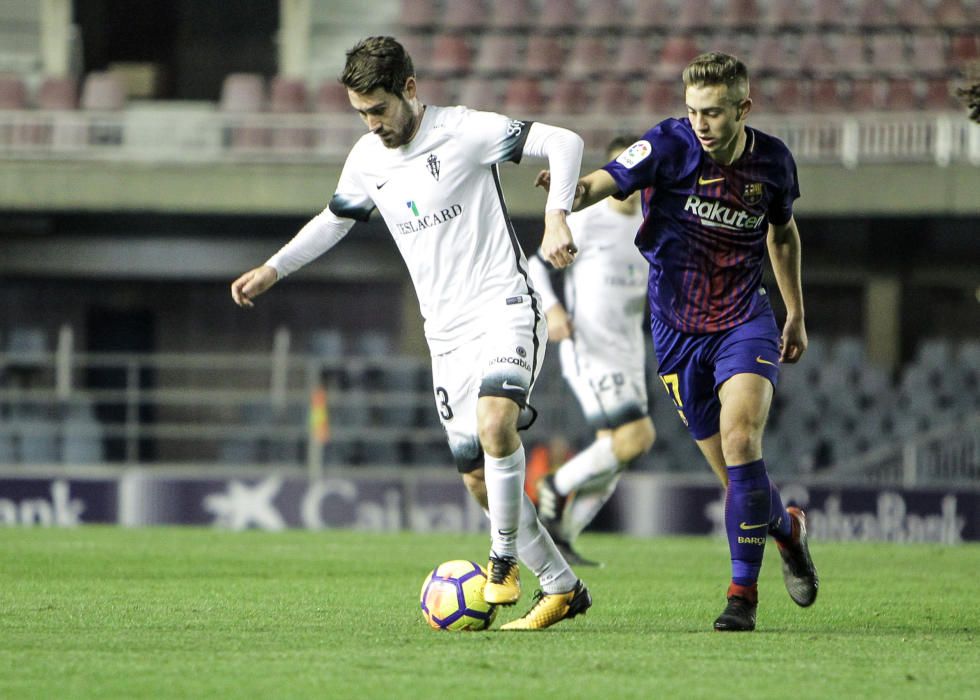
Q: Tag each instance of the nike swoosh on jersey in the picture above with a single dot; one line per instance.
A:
(513, 387)
(751, 527)
(758, 358)
(702, 181)
(381, 184)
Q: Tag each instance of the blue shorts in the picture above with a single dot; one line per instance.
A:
(693, 366)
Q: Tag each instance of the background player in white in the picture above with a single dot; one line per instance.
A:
(432, 174)
(600, 331)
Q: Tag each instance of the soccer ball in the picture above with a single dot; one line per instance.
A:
(452, 597)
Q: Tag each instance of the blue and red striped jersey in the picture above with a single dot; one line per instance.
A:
(704, 224)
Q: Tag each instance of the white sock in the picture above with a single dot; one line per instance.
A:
(539, 554)
(584, 506)
(504, 478)
(596, 460)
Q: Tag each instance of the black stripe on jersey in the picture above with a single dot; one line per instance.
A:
(518, 130)
(346, 209)
(495, 169)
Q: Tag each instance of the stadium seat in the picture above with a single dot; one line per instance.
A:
(545, 56)
(499, 55)
(676, 53)
(816, 57)
(103, 91)
(651, 15)
(848, 51)
(512, 16)
(864, 94)
(740, 14)
(331, 96)
(288, 96)
(450, 56)
(558, 16)
(39, 442)
(964, 48)
(876, 15)
(690, 17)
(928, 54)
(569, 96)
(244, 94)
(783, 95)
(589, 58)
(951, 14)
(826, 95)
(419, 15)
(828, 13)
(57, 93)
(635, 58)
(82, 442)
(13, 92)
(901, 94)
(524, 96)
(436, 92)
(602, 16)
(771, 55)
(611, 96)
(939, 95)
(912, 14)
(464, 16)
(782, 14)
(480, 93)
(419, 47)
(663, 97)
(888, 54)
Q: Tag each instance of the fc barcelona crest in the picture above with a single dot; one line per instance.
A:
(752, 194)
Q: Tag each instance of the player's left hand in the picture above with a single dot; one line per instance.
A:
(794, 341)
(557, 245)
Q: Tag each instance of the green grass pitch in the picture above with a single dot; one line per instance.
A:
(114, 613)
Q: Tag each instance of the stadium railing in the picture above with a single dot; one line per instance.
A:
(190, 135)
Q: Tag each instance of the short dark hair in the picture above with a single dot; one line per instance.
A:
(621, 143)
(970, 94)
(377, 62)
(716, 68)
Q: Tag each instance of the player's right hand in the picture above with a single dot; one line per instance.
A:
(559, 324)
(251, 284)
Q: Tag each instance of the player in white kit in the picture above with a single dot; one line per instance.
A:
(432, 174)
(602, 347)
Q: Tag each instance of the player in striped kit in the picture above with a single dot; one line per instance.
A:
(600, 331)
(717, 195)
(432, 173)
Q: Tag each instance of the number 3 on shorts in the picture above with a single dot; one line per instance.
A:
(445, 410)
(673, 390)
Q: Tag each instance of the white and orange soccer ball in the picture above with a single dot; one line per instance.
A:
(452, 597)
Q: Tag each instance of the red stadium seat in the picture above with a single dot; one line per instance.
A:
(877, 14)
(545, 56)
(888, 54)
(676, 53)
(450, 56)
(513, 16)
(782, 14)
(436, 92)
(464, 15)
(13, 92)
(635, 57)
(864, 94)
(912, 14)
(289, 96)
(419, 47)
(829, 13)
(928, 53)
(951, 14)
(825, 95)
(558, 16)
(613, 96)
(480, 93)
(331, 96)
(690, 16)
(816, 57)
(570, 96)
(524, 96)
(419, 15)
(602, 16)
(499, 55)
(940, 95)
(848, 51)
(57, 93)
(740, 14)
(783, 95)
(901, 94)
(964, 48)
(656, 15)
(589, 58)
(663, 97)
(770, 55)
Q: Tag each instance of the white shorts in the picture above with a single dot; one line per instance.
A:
(610, 396)
(505, 361)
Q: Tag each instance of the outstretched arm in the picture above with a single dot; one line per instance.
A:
(589, 190)
(785, 253)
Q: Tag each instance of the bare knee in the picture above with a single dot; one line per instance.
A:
(633, 439)
(497, 425)
(742, 443)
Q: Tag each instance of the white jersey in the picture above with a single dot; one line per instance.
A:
(440, 196)
(605, 288)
